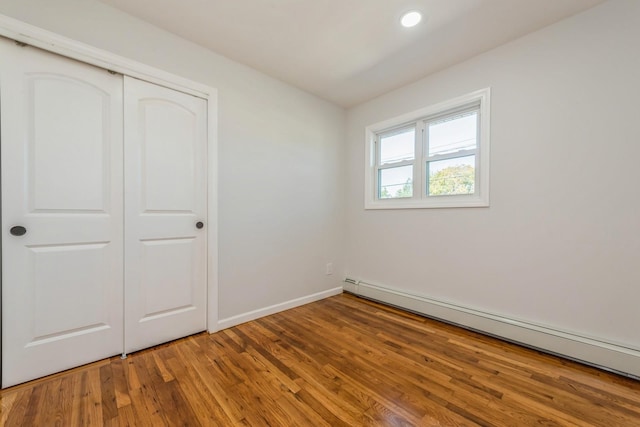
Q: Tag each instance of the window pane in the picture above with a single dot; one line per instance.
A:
(452, 176)
(397, 146)
(396, 182)
(453, 134)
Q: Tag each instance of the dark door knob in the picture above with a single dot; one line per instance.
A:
(199, 224)
(18, 230)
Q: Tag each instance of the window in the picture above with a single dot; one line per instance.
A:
(432, 158)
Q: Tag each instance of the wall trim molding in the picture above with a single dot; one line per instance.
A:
(52, 42)
(589, 350)
(49, 41)
(266, 311)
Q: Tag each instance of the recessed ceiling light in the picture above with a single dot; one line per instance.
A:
(411, 19)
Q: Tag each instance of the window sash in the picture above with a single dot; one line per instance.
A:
(457, 114)
(452, 115)
(461, 153)
(389, 133)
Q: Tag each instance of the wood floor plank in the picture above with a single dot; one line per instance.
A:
(298, 412)
(164, 373)
(342, 361)
(77, 401)
(213, 383)
(140, 412)
(33, 405)
(204, 405)
(128, 418)
(120, 383)
(109, 402)
(143, 396)
(52, 410)
(16, 413)
(173, 405)
(6, 406)
(93, 396)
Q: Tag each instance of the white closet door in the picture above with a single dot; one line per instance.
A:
(61, 149)
(165, 214)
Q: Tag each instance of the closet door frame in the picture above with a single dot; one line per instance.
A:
(25, 33)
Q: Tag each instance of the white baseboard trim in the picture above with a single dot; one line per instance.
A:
(262, 312)
(592, 351)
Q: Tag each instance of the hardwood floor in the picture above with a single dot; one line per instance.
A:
(342, 361)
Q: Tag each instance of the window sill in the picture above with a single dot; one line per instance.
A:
(431, 203)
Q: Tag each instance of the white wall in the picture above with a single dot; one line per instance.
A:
(280, 156)
(560, 243)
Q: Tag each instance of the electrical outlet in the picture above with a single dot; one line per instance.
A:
(329, 269)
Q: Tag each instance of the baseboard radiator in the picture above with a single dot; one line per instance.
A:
(596, 352)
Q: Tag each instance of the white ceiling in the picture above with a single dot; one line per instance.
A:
(349, 51)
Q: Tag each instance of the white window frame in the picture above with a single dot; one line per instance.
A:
(479, 100)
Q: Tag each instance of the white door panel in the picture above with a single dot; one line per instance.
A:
(166, 262)
(169, 135)
(61, 163)
(63, 154)
(83, 287)
(165, 180)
